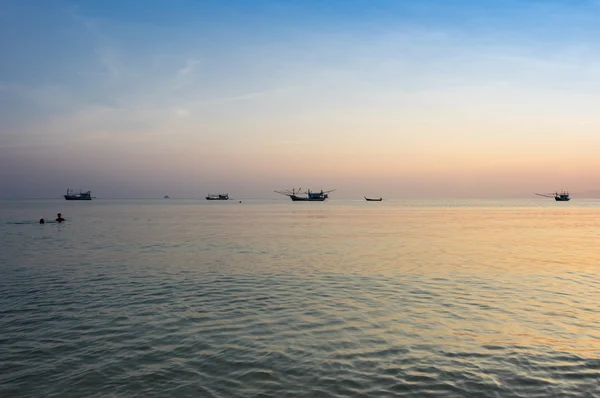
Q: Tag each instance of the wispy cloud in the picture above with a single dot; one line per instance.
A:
(188, 69)
(109, 60)
(42, 97)
(186, 74)
(105, 47)
(242, 97)
(181, 112)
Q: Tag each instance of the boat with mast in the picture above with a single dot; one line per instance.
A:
(308, 196)
(220, 196)
(562, 196)
(71, 195)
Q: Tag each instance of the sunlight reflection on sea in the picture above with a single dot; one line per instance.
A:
(274, 298)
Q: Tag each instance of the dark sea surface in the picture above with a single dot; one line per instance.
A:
(170, 298)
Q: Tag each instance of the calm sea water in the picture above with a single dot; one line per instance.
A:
(280, 299)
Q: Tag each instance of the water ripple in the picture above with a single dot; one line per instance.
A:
(371, 303)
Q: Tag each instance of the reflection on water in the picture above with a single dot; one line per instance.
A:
(280, 299)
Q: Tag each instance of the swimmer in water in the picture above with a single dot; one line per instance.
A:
(42, 221)
(59, 218)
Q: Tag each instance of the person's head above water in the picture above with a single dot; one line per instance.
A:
(42, 221)
(59, 217)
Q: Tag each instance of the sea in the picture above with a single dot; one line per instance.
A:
(274, 298)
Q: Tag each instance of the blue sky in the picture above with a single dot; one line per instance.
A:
(395, 98)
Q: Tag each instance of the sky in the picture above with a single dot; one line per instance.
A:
(400, 99)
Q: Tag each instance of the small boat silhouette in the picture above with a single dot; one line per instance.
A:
(71, 195)
(221, 196)
(562, 196)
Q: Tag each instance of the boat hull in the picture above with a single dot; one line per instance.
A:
(70, 195)
(305, 199)
(373, 200)
(562, 199)
(67, 197)
(221, 196)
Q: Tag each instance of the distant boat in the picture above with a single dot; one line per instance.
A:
(167, 197)
(308, 196)
(562, 196)
(373, 199)
(71, 195)
(221, 196)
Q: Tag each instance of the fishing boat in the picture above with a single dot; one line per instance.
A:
(308, 196)
(220, 196)
(373, 199)
(167, 197)
(71, 195)
(562, 196)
